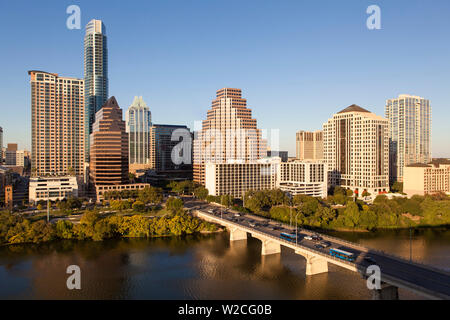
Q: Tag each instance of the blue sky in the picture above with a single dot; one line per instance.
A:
(297, 62)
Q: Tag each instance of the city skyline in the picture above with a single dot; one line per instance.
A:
(282, 84)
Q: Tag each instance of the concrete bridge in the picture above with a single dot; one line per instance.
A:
(395, 272)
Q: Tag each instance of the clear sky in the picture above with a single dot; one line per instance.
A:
(298, 62)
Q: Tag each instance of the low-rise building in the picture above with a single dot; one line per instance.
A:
(102, 189)
(307, 177)
(52, 188)
(429, 178)
(297, 177)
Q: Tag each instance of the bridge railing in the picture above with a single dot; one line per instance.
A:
(365, 248)
(358, 247)
(281, 240)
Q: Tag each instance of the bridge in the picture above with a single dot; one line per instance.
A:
(396, 272)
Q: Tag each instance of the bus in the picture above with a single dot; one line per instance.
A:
(341, 254)
(288, 236)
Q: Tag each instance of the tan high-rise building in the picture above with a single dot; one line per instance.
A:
(57, 123)
(309, 145)
(228, 133)
(410, 133)
(356, 150)
(429, 178)
(109, 146)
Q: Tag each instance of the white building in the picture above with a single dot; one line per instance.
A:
(237, 177)
(309, 177)
(356, 150)
(52, 188)
(410, 133)
(138, 122)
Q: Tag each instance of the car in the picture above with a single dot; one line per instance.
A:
(326, 244)
(251, 224)
(308, 238)
(211, 211)
(237, 215)
(370, 259)
(319, 246)
(316, 238)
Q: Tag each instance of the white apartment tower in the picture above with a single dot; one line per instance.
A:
(410, 133)
(356, 150)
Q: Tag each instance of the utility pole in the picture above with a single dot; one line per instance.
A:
(410, 244)
(48, 209)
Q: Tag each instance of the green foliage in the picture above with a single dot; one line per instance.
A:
(182, 187)
(174, 204)
(201, 192)
(150, 195)
(138, 206)
(120, 205)
(397, 187)
(226, 200)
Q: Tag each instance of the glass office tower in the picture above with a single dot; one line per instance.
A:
(95, 73)
(138, 120)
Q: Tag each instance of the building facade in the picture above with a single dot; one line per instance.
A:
(228, 133)
(309, 145)
(95, 74)
(308, 177)
(52, 188)
(57, 124)
(109, 146)
(282, 154)
(138, 122)
(356, 150)
(1, 145)
(410, 133)
(163, 139)
(422, 179)
(11, 155)
(102, 189)
(237, 177)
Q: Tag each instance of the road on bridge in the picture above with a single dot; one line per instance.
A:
(426, 280)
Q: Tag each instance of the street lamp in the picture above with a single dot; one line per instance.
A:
(296, 229)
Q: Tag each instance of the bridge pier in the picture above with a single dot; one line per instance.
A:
(237, 234)
(270, 247)
(387, 292)
(314, 264)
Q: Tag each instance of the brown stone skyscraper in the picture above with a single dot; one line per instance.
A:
(229, 133)
(109, 146)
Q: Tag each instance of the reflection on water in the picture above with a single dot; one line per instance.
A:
(195, 267)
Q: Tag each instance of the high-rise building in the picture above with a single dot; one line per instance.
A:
(162, 144)
(95, 73)
(309, 145)
(138, 121)
(11, 154)
(109, 146)
(410, 133)
(422, 179)
(228, 133)
(356, 150)
(57, 124)
(1, 145)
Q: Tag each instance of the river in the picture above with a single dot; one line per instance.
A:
(198, 267)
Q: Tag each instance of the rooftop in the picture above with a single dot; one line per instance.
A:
(354, 108)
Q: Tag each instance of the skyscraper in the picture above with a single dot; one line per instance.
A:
(309, 145)
(57, 124)
(1, 145)
(228, 133)
(162, 144)
(356, 150)
(109, 146)
(95, 72)
(138, 121)
(410, 133)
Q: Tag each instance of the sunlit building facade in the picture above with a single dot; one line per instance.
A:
(309, 145)
(228, 133)
(356, 150)
(410, 133)
(138, 122)
(57, 124)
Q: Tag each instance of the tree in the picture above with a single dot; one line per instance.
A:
(174, 204)
(365, 193)
(150, 195)
(397, 187)
(201, 192)
(226, 200)
(132, 177)
(138, 206)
